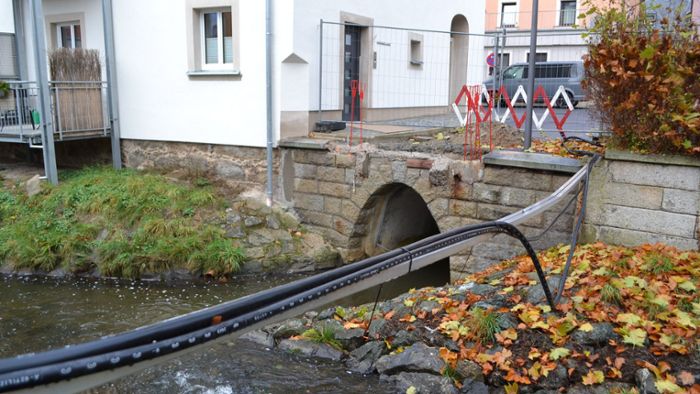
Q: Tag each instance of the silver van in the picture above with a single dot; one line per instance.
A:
(550, 75)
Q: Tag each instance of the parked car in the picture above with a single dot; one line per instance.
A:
(550, 75)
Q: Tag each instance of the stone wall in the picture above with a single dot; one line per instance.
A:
(641, 199)
(334, 191)
(232, 164)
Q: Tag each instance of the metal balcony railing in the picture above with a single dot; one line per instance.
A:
(78, 110)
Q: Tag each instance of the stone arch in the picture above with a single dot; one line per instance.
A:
(459, 54)
(396, 215)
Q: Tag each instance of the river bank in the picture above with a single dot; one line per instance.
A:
(628, 322)
(103, 223)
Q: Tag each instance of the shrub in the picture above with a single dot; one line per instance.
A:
(642, 78)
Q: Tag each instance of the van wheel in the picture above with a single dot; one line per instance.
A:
(561, 102)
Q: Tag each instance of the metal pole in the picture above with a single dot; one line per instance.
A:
(320, 72)
(42, 68)
(20, 43)
(531, 75)
(112, 96)
(496, 60)
(268, 79)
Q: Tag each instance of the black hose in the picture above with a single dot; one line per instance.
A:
(98, 358)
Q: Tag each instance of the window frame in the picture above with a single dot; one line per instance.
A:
(417, 60)
(196, 50)
(560, 13)
(59, 35)
(221, 61)
(502, 13)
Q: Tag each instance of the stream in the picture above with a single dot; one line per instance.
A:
(40, 313)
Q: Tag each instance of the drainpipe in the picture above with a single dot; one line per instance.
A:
(268, 80)
(112, 97)
(42, 80)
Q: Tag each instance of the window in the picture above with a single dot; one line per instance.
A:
(501, 63)
(539, 57)
(68, 35)
(8, 57)
(515, 72)
(567, 13)
(217, 33)
(213, 37)
(553, 71)
(415, 49)
(509, 15)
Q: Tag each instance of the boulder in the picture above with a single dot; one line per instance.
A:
(350, 339)
(421, 383)
(289, 328)
(311, 349)
(469, 370)
(416, 358)
(260, 337)
(645, 381)
(474, 387)
(599, 335)
(33, 186)
(362, 359)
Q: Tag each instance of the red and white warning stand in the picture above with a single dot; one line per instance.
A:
(479, 104)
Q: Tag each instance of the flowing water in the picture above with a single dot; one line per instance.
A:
(38, 313)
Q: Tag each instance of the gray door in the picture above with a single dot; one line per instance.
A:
(351, 71)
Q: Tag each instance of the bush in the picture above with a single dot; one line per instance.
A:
(642, 78)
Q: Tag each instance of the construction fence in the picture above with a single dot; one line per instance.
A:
(399, 78)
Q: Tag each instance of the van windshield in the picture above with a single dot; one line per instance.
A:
(515, 72)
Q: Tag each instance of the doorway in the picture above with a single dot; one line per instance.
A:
(459, 55)
(351, 71)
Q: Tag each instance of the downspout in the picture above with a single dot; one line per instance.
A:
(268, 80)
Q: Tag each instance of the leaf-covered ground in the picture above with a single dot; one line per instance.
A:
(623, 309)
(554, 147)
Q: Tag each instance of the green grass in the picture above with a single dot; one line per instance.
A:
(611, 294)
(323, 335)
(125, 222)
(484, 324)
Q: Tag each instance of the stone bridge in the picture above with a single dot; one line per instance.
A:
(369, 202)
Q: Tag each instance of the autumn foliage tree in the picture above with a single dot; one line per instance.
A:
(642, 76)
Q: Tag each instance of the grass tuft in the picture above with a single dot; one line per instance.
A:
(484, 324)
(325, 335)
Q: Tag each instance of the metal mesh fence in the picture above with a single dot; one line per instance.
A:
(397, 78)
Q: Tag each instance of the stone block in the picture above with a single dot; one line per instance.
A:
(350, 177)
(439, 173)
(342, 226)
(349, 210)
(619, 236)
(398, 171)
(330, 174)
(518, 178)
(438, 207)
(315, 218)
(493, 212)
(681, 201)
(334, 189)
(309, 201)
(345, 160)
(504, 195)
(639, 219)
(462, 208)
(648, 197)
(335, 238)
(332, 205)
(307, 171)
(412, 176)
(322, 158)
(306, 185)
(676, 177)
(467, 171)
(229, 170)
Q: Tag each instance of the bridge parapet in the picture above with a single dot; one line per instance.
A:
(343, 193)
